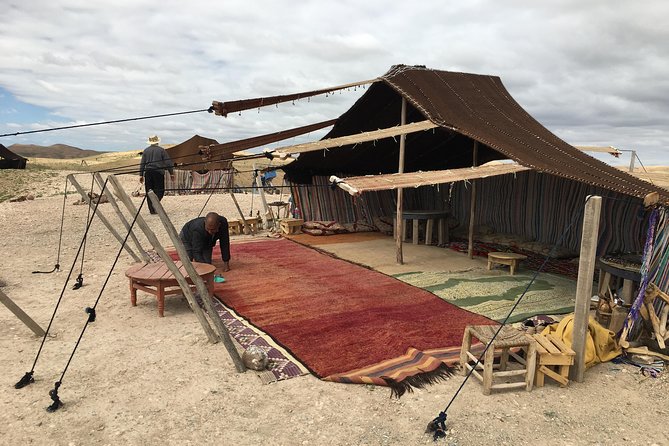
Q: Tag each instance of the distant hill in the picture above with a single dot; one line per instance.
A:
(57, 151)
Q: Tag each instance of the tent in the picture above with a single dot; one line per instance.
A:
(465, 120)
(10, 160)
(191, 155)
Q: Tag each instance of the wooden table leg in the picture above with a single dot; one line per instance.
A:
(466, 345)
(441, 231)
(161, 299)
(428, 231)
(404, 230)
(513, 266)
(530, 364)
(133, 294)
(415, 231)
(487, 370)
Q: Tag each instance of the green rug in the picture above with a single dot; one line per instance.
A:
(493, 296)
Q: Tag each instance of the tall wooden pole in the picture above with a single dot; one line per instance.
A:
(586, 273)
(399, 222)
(169, 263)
(112, 202)
(472, 202)
(197, 280)
(102, 218)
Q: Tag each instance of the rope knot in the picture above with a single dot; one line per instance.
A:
(91, 314)
(437, 426)
(53, 394)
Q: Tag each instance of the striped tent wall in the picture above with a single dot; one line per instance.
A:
(531, 205)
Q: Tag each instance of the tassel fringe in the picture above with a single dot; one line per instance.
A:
(418, 381)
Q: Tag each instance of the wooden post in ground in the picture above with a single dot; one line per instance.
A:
(114, 204)
(102, 218)
(23, 317)
(241, 214)
(399, 222)
(586, 273)
(181, 280)
(472, 203)
(263, 200)
(197, 280)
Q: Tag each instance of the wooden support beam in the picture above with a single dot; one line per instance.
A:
(19, 313)
(247, 227)
(197, 280)
(399, 221)
(586, 273)
(263, 200)
(115, 206)
(102, 218)
(181, 280)
(472, 203)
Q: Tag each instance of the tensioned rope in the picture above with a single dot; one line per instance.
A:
(80, 278)
(438, 425)
(56, 267)
(115, 121)
(28, 377)
(53, 393)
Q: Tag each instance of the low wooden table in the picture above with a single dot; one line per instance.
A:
(505, 258)
(156, 279)
(429, 217)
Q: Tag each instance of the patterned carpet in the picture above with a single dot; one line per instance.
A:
(332, 315)
(564, 267)
(281, 364)
(493, 296)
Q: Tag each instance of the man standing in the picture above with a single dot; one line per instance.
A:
(199, 237)
(155, 161)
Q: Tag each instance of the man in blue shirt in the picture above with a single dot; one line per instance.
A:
(155, 161)
(199, 236)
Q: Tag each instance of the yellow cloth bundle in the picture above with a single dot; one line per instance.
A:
(600, 343)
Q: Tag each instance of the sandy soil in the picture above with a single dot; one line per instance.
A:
(138, 379)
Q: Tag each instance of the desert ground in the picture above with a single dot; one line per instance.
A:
(137, 379)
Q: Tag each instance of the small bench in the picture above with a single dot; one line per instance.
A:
(505, 258)
(291, 225)
(234, 227)
(552, 352)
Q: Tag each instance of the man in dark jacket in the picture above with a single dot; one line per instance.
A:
(155, 161)
(199, 237)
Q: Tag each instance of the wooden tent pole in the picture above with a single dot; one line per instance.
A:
(586, 272)
(102, 218)
(247, 228)
(399, 222)
(201, 287)
(169, 263)
(23, 317)
(114, 204)
(472, 202)
(261, 192)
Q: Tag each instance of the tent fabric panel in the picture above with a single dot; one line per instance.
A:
(223, 108)
(480, 107)
(417, 179)
(357, 138)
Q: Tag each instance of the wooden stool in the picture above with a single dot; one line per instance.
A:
(505, 258)
(552, 352)
(291, 225)
(253, 223)
(507, 339)
(234, 227)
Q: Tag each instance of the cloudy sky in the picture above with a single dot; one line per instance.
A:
(594, 72)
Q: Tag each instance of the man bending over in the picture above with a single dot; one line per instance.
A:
(199, 237)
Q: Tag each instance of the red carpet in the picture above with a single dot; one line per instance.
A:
(333, 315)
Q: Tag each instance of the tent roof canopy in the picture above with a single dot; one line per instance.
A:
(467, 108)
